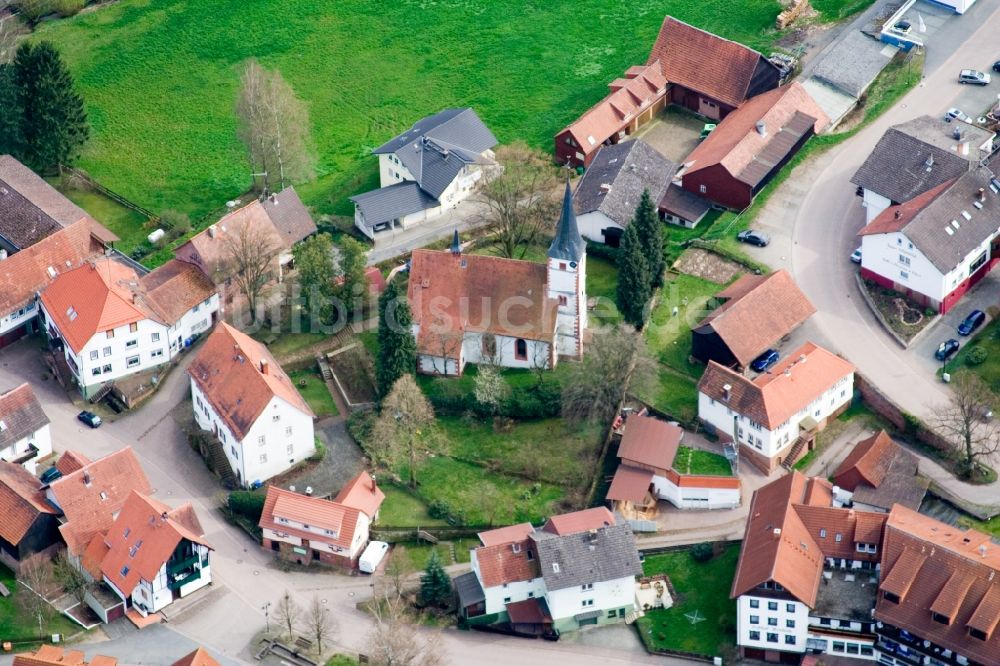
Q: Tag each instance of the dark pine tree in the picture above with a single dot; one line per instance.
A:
(435, 585)
(53, 123)
(397, 351)
(10, 113)
(647, 223)
(634, 290)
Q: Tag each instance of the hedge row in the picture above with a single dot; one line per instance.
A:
(541, 401)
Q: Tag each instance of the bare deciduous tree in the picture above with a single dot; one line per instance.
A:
(274, 127)
(966, 421)
(397, 569)
(37, 581)
(287, 613)
(616, 362)
(394, 642)
(405, 419)
(521, 202)
(319, 623)
(250, 251)
(72, 580)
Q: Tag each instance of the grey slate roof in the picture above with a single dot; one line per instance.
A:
(927, 228)
(606, 554)
(30, 208)
(390, 203)
(21, 414)
(626, 169)
(853, 63)
(685, 205)
(289, 215)
(436, 148)
(568, 244)
(469, 591)
(898, 166)
(901, 484)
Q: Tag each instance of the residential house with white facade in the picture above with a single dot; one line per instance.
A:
(917, 156)
(426, 171)
(577, 571)
(935, 247)
(304, 529)
(24, 428)
(111, 322)
(775, 416)
(518, 314)
(807, 575)
(241, 395)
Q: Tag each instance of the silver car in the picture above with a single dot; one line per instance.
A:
(974, 76)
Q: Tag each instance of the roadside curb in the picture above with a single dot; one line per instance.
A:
(885, 325)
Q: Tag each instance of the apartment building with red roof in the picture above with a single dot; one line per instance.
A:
(113, 321)
(304, 529)
(775, 416)
(30, 526)
(24, 428)
(242, 396)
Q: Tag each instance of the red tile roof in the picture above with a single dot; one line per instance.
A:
(507, 563)
(630, 484)
(26, 273)
(91, 496)
(650, 441)
(895, 218)
(143, 537)
(21, 502)
(707, 63)
(630, 96)
(507, 534)
(173, 289)
(934, 567)
(528, 611)
(870, 458)
(342, 520)
(228, 371)
(93, 555)
(200, 657)
(758, 310)
(450, 294)
(363, 494)
(70, 461)
(579, 521)
(742, 150)
(51, 655)
(773, 398)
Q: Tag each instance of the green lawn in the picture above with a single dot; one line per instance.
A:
(988, 338)
(16, 625)
(696, 461)
(315, 392)
(402, 509)
(160, 78)
(674, 394)
(518, 379)
(701, 587)
(128, 225)
(669, 337)
(602, 283)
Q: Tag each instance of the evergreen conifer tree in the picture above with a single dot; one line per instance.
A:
(397, 351)
(634, 290)
(435, 586)
(647, 223)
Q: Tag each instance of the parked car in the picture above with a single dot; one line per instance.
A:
(764, 361)
(996, 66)
(946, 349)
(856, 256)
(956, 114)
(902, 27)
(91, 419)
(706, 130)
(50, 475)
(758, 238)
(972, 322)
(974, 76)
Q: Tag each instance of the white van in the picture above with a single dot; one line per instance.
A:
(372, 557)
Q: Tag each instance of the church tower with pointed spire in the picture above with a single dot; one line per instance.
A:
(567, 280)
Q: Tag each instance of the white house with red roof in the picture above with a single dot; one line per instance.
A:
(775, 416)
(242, 396)
(112, 322)
(306, 529)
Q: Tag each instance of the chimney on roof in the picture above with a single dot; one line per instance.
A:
(86, 478)
(929, 163)
(263, 366)
(761, 128)
(777, 532)
(726, 392)
(982, 194)
(374, 485)
(982, 550)
(163, 516)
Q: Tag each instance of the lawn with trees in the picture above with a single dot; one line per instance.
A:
(160, 80)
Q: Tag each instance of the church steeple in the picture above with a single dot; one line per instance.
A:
(568, 245)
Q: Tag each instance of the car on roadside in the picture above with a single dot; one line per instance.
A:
(974, 77)
(956, 114)
(973, 321)
(996, 66)
(902, 27)
(90, 418)
(758, 238)
(946, 349)
(764, 361)
(856, 256)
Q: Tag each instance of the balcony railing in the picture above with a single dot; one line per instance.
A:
(174, 583)
(32, 452)
(180, 565)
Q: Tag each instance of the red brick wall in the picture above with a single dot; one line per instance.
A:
(286, 553)
(891, 412)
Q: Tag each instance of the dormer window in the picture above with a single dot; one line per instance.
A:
(976, 633)
(940, 619)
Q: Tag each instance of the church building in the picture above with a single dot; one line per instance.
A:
(518, 314)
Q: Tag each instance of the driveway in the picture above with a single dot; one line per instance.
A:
(464, 216)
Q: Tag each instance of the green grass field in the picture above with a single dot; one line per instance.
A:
(989, 371)
(14, 624)
(315, 392)
(696, 461)
(402, 509)
(669, 337)
(160, 78)
(701, 587)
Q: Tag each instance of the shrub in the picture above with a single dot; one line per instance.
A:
(320, 450)
(702, 552)
(247, 504)
(175, 221)
(439, 509)
(976, 356)
(603, 251)
(930, 312)
(68, 7)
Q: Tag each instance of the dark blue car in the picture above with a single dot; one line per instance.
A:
(946, 349)
(764, 361)
(972, 322)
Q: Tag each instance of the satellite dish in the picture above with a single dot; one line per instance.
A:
(572, 264)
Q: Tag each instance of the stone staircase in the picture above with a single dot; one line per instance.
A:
(793, 455)
(218, 462)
